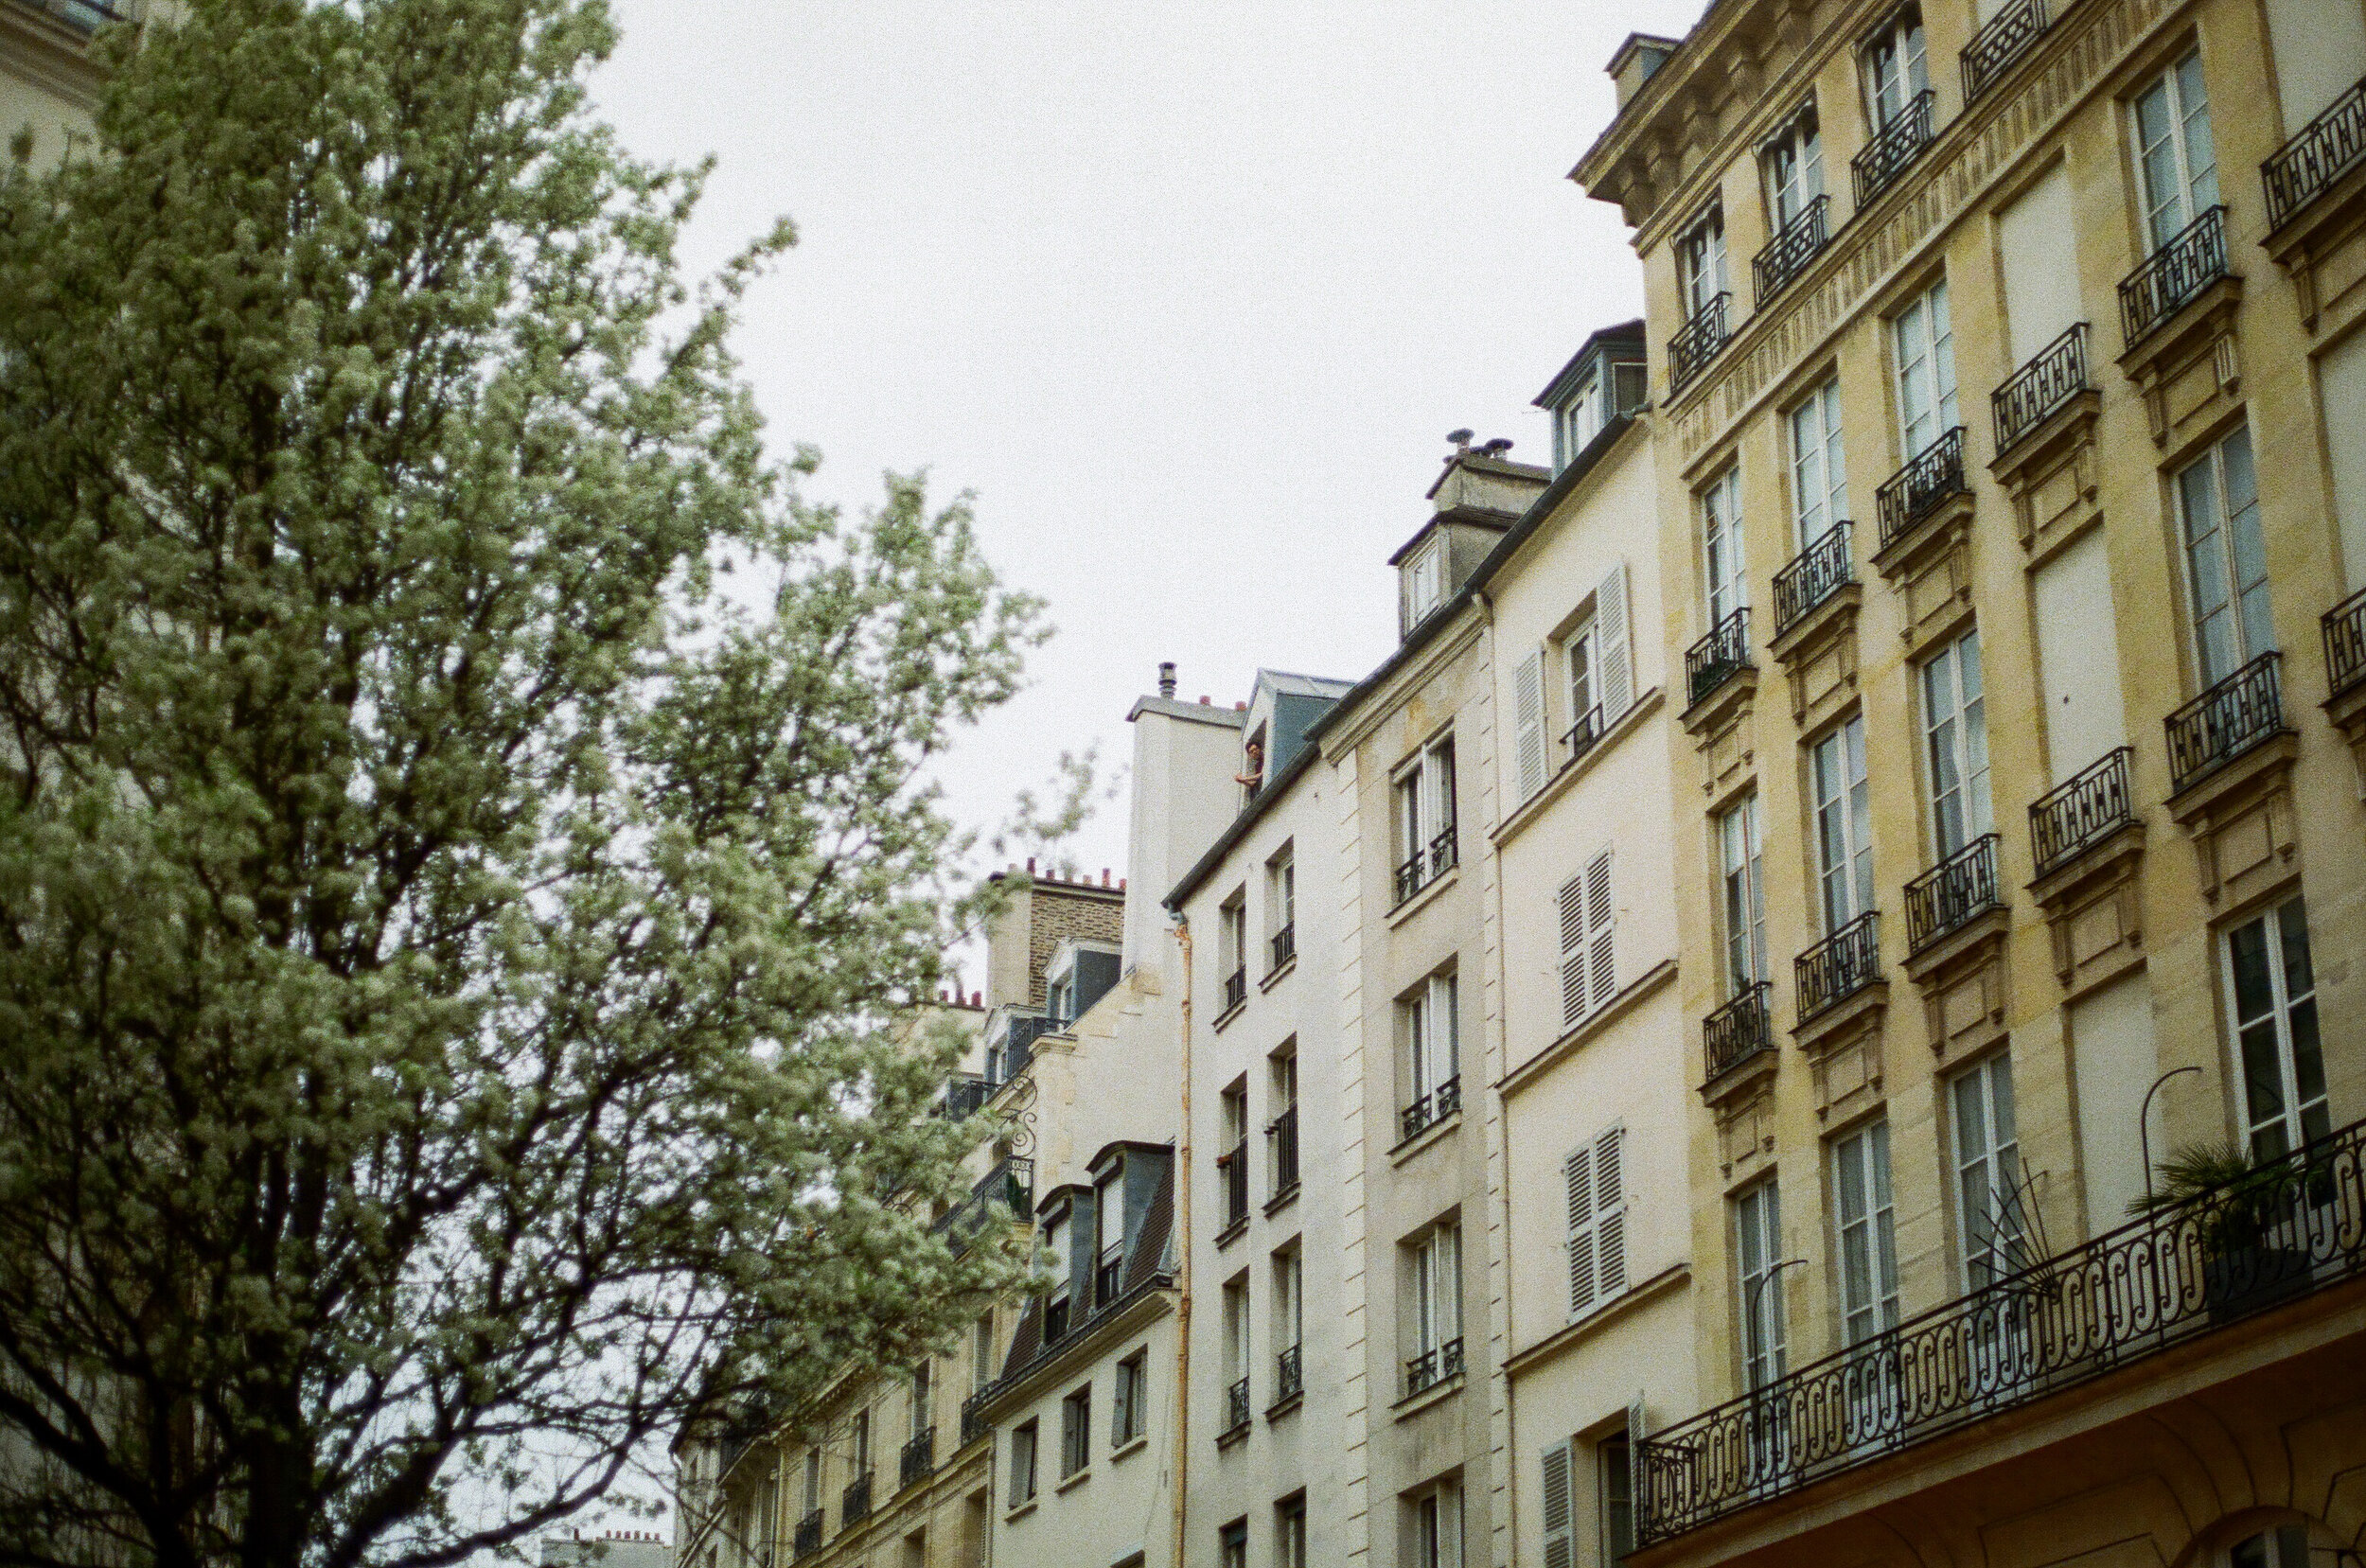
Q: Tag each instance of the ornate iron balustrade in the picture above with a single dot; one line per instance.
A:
(2041, 387)
(1953, 893)
(1788, 254)
(1234, 1164)
(1814, 574)
(1017, 1049)
(1737, 1032)
(974, 1424)
(966, 1094)
(1697, 341)
(2325, 148)
(1284, 945)
(2297, 1226)
(2345, 644)
(918, 1461)
(1893, 150)
(1281, 1140)
(1235, 988)
(853, 1504)
(1289, 1373)
(808, 1539)
(1433, 1367)
(1582, 735)
(1235, 1408)
(2172, 276)
(2241, 711)
(2001, 40)
(1912, 494)
(1427, 865)
(1838, 967)
(1719, 657)
(2080, 813)
(1010, 1185)
(1435, 1106)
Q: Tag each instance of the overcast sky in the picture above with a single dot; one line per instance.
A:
(1188, 293)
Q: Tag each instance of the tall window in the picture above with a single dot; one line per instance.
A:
(1819, 471)
(2217, 499)
(1757, 1253)
(1128, 1400)
(1924, 337)
(1866, 1245)
(1425, 816)
(1437, 1287)
(1282, 1133)
(1744, 896)
(1614, 1473)
(1955, 744)
(1076, 1421)
(924, 1399)
(1896, 69)
(1109, 1236)
(2174, 151)
(1233, 1162)
(1723, 569)
(1437, 1528)
(1289, 1535)
(1281, 906)
(1794, 169)
(1432, 1056)
(1595, 1178)
(981, 1353)
(1236, 1349)
(1289, 1307)
(863, 1442)
(1056, 1242)
(1425, 579)
(1988, 1171)
(2271, 989)
(1023, 1462)
(1233, 940)
(1701, 262)
(1589, 928)
(813, 1480)
(1232, 1545)
(1843, 825)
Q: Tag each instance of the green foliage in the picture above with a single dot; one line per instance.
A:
(455, 961)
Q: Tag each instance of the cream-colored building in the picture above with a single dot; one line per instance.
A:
(2012, 524)
(49, 80)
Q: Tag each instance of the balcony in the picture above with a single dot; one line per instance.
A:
(1737, 1032)
(1697, 343)
(1008, 1056)
(2042, 388)
(2345, 645)
(1284, 945)
(1281, 1148)
(1429, 1109)
(807, 1539)
(1235, 1409)
(1427, 865)
(974, 1424)
(2239, 713)
(1917, 491)
(1289, 1375)
(2173, 276)
(1009, 1185)
(1813, 575)
(1235, 988)
(1788, 254)
(1582, 735)
(1433, 1367)
(2298, 1227)
(2001, 40)
(2326, 148)
(1232, 1165)
(2077, 816)
(918, 1460)
(1838, 967)
(965, 1095)
(853, 1504)
(1893, 150)
(1952, 895)
(1719, 657)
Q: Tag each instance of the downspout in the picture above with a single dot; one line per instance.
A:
(1183, 1230)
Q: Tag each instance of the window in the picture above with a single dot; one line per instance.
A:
(1289, 1320)
(1232, 948)
(1022, 1463)
(1437, 1528)
(1759, 1257)
(1232, 1165)
(1600, 664)
(1597, 1190)
(1289, 1533)
(1425, 580)
(863, 1442)
(1988, 1171)
(1434, 1278)
(1425, 817)
(813, 1480)
(1055, 1305)
(1794, 165)
(1701, 262)
(1611, 390)
(1281, 906)
(2174, 151)
(1614, 1473)
(1076, 1419)
(1924, 337)
(1589, 963)
(1236, 1349)
(1819, 476)
(1110, 1235)
(924, 1399)
(1955, 746)
(1128, 1401)
(1867, 1247)
(1739, 849)
(2272, 992)
(1432, 1052)
(1232, 1545)
(1282, 1133)
(1843, 825)
(1723, 562)
(2226, 562)
(1896, 69)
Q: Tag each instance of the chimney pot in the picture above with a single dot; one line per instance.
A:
(1105, 876)
(1030, 865)
(1120, 883)
(1238, 706)
(1203, 701)
(1166, 677)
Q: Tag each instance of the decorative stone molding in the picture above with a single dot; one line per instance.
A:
(1721, 732)
(1819, 658)
(2050, 475)
(1931, 568)
(1843, 1050)
(2240, 820)
(1746, 1127)
(2095, 911)
(2189, 370)
(1967, 986)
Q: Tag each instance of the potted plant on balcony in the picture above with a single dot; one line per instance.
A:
(2242, 1210)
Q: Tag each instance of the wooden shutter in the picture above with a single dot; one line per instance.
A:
(1613, 647)
(1610, 1212)
(1560, 1543)
(1578, 1172)
(1599, 919)
(1528, 711)
(1573, 981)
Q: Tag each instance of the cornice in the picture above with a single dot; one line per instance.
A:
(50, 55)
(1374, 708)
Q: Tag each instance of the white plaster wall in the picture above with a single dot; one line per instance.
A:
(1116, 1506)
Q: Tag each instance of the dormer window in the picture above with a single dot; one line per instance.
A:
(1055, 1306)
(1610, 389)
(1425, 579)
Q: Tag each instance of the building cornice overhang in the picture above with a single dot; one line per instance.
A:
(1667, 108)
(1145, 1305)
(49, 54)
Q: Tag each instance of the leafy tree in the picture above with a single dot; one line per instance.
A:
(453, 928)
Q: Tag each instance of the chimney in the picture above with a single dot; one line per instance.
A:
(1166, 678)
(1639, 57)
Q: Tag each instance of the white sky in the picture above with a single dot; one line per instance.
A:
(1189, 293)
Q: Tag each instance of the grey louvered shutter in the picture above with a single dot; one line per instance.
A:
(1561, 1549)
(1573, 981)
(1599, 919)
(1610, 1212)
(1527, 714)
(1614, 648)
(1578, 1172)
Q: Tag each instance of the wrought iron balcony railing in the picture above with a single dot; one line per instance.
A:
(1433, 1367)
(1427, 865)
(1909, 496)
(2038, 389)
(965, 1095)
(1281, 1144)
(2325, 148)
(1737, 1032)
(2345, 644)
(1788, 254)
(1582, 734)
(2001, 40)
(1893, 150)
(1289, 1373)
(1719, 657)
(2243, 711)
(1235, 988)
(2173, 276)
(808, 1539)
(974, 1423)
(1007, 1059)
(853, 1504)
(2080, 813)
(2296, 1227)
(1283, 944)
(1838, 967)
(1697, 341)
(1817, 572)
(1234, 1165)
(1954, 893)
(918, 1460)
(1009, 1185)
(1435, 1106)
(1235, 1407)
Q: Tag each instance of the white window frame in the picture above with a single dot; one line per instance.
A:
(1819, 464)
(1955, 746)
(2177, 160)
(1026, 1445)
(1438, 1526)
(1126, 1399)
(1236, 1330)
(1742, 891)
(981, 1352)
(1425, 580)
(1289, 1298)
(1437, 1287)
(1865, 1232)
(1593, 1184)
(1724, 553)
(1076, 1432)
(1282, 892)
(2226, 559)
(1922, 336)
(2276, 1032)
(1589, 926)
(1897, 67)
(1433, 1045)
(1842, 799)
(1791, 162)
(1700, 266)
(1985, 1142)
(1424, 788)
(1764, 1337)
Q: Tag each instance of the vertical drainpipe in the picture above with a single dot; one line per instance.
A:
(1183, 1231)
